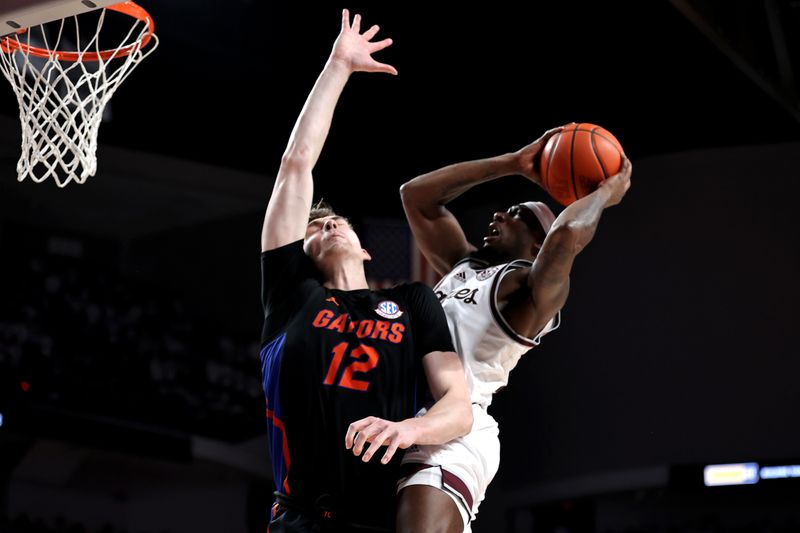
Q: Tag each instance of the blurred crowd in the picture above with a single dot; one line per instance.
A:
(83, 339)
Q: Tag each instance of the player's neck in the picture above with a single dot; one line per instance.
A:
(495, 257)
(490, 256)
(345, 277)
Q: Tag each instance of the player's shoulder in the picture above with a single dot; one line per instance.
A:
(410, 291)
(413, 287)
(294, 248)
(488, 271)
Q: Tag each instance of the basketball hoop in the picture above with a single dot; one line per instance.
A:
(62, 93)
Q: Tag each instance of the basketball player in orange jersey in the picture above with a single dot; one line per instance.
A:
(344, 367)
(500, 299)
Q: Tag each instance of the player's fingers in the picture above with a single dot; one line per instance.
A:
(365, 435)
(549, 133)
(627, 166)
(380, 45)
(354, 428)
(345, 19)
(383, 67)
(359, 441)
(377, 442)
(624, 174)
(356, 24)
(370, 33)
(390, 451)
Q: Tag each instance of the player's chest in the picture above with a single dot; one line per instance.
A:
(375, 319)
(467, 288)
(350, 345)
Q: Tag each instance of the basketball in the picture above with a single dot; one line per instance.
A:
(576, 159)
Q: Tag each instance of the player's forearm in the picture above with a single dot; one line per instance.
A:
(447, 419)
(445, 184)
(572, 230)
(581, 218)
(314, 122)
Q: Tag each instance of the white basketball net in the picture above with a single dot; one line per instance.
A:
(61, 102)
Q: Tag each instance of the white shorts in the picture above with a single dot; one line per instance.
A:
(462, 468)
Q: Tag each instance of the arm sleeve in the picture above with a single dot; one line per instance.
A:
(428, 322)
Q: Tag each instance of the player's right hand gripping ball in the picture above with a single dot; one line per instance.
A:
(575, 160)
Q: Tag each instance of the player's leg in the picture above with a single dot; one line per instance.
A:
(426, 509)
(443, 485)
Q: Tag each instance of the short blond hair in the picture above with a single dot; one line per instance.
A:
(321, 209)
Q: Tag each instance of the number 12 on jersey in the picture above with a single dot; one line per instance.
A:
(356, 363)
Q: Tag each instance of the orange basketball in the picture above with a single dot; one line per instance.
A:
(575, 160)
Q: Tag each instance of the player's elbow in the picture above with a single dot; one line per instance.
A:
(407, 192)
(572, 235)
(298, 156)
(417, 189)
(419, 199)
(466, 419)
(462, 410)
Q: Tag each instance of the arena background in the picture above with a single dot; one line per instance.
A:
(129, 306)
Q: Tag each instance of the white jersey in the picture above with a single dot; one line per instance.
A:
(487, 344)
(490, 349)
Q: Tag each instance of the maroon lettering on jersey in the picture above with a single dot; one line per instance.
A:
(467, 295)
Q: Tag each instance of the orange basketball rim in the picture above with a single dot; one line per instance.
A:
(9, 45)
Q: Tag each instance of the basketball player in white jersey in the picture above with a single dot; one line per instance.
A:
(500, 299)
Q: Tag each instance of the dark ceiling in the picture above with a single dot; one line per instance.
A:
(229, 78)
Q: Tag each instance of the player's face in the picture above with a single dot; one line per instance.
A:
(329, 236)
(514, 232)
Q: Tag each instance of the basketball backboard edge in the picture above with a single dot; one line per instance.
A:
(19, 14)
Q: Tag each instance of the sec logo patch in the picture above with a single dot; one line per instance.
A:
(388, 309)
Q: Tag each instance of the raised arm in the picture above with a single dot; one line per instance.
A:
(436, 230)
(290, 202)
(448, 418)
(547, 280)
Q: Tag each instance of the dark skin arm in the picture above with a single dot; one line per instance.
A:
(437, 231)
(531, 297)
(528, 298)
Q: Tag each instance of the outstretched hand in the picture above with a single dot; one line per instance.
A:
(379, 432)
(354, 49)
(527, 157)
